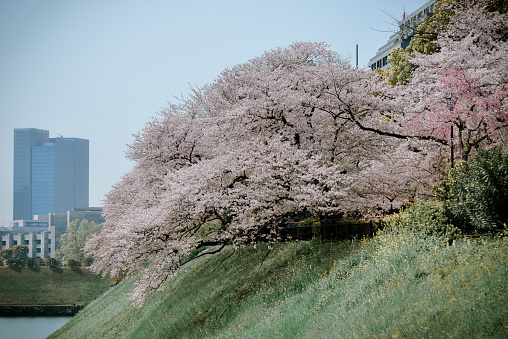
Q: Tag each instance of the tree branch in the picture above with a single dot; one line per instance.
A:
(213, 250)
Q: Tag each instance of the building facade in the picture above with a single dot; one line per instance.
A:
(403, 36)
(41, 234)
(51, 175)
(38, 243)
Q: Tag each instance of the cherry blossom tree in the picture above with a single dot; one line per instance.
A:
(426, 34)
(471, 69)
(268, 140)
(296, 132)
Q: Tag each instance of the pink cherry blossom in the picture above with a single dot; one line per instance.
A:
(296, 132)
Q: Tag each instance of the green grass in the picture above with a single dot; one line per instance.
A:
(395, 286)
(44, 286)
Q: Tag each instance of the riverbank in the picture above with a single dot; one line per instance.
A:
(39, 310)
(48, 292)
(397, 285)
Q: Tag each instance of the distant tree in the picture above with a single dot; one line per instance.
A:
(74, 239)
(400, 70)
(5, 254)
(20, 252)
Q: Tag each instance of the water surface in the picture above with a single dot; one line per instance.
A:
(30, 327)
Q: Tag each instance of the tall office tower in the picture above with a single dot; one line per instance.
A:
(50, 174)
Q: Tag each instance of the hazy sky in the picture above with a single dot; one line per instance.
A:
(100, 70)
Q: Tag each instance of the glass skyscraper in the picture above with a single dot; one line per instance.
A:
(50, 174)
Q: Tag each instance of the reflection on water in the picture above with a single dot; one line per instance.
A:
(30, 327)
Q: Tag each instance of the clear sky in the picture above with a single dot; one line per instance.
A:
(100, 70)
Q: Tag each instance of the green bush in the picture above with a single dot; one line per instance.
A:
(427, 218)
(476, 193)
(87, 261)
(53, 263)
(14, 262)
(31, 263)
(73, 263)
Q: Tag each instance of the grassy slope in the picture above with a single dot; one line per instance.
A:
(395, 286)
(50, 287)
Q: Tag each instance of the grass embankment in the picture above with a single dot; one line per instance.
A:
(397, 285)
(45, 286)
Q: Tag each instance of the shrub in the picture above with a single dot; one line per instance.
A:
(476, 192)
(52, 263)
(40, 262)
(87, 261)
(73, 263)
(31, 263)
(14, 262)
(427, 218)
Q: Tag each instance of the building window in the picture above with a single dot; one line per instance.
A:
(38, 242)
(37, 250)
(4, 243)
(49, 241)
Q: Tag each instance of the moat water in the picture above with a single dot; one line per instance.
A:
(30, 327)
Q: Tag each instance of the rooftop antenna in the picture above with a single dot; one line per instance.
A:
(61, 136)
(357, 55)
(404, 16)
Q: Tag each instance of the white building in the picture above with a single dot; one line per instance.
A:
(403, 36)
(41, 234)
(38, 243)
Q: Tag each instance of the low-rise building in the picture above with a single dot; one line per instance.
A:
(41, 234)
